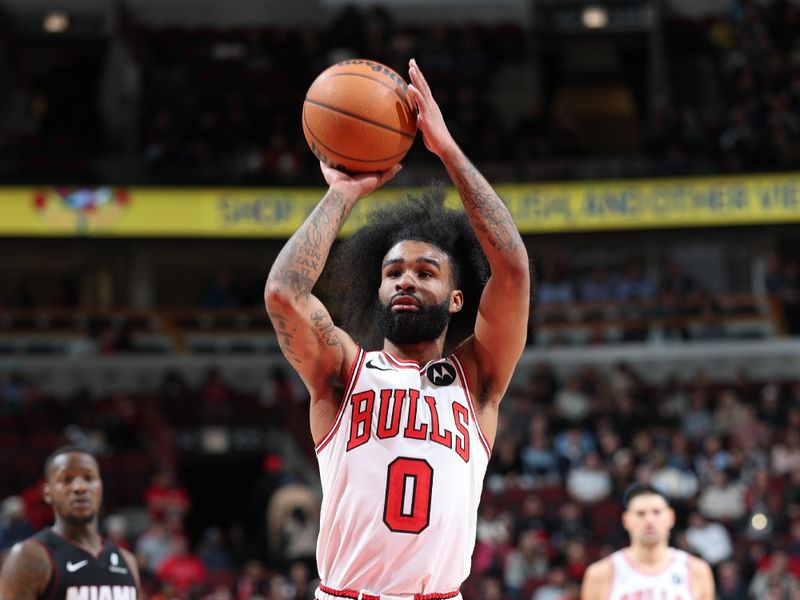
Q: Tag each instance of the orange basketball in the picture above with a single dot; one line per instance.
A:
(359, 116)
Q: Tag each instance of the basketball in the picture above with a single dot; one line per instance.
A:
(359, 116)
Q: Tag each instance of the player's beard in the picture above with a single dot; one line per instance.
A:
(77, 521)
(413, 326)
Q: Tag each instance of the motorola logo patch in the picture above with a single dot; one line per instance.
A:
(441, 374)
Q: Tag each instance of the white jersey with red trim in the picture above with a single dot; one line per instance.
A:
(402, 473)
(671, 583)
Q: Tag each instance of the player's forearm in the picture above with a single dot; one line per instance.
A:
(300, 262)
(490, 218)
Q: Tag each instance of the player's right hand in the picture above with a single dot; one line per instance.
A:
(360, 184)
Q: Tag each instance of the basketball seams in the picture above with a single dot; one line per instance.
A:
(393, 87)
(358, 117)
(345, 156)
(371, 113)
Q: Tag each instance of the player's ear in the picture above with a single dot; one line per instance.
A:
(456, 301)
(47, 494)
(671, 515)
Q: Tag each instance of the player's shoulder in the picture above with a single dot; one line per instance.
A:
(597, 579)
(28, 559)
(698, 566)
(600, 570)
(30, 549)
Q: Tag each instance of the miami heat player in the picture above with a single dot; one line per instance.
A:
(70, 561)
(649, 567)
(403, 433)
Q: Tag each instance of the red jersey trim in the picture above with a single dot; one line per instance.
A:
(468, 392)
(355, 371)
(52, 583)
(354, 595)
(82, 548)
(401, 363)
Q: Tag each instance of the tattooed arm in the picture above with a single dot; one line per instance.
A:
(319, 351)
(501, 326)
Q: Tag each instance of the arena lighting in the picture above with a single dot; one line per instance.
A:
(594, 17)
(55, 21)
(759, 521)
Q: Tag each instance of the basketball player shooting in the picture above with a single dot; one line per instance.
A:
(403, 430)
(70, 561)
(649, 567)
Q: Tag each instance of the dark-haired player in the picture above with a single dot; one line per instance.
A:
(403, 429)
(70, 561)
(649, 567)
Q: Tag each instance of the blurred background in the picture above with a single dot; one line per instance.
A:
(152, 164)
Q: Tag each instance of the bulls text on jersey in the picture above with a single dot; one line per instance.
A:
(389, 417)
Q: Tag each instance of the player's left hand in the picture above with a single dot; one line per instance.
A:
(430, 121)
(360, 184)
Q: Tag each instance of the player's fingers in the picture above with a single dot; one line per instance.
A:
(419, 79)
(417, 95)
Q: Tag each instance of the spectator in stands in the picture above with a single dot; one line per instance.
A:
(301, 582)
(182, 569)
(252, 582)
(675, 283)
(729, 582)
(774, 575)
(555, 587)
(14, 526)
(215, 396)
(597, 286)
(722, 499)
(166, 497)
(713, 457)
(698, 421)
(116, 530)
(539, 461)
(589, 482)
(786, 453)
(527, 561)
(221, 292)
(572, 444)
(157, 543)
(571, 403)
(212, 551)
(531, 516)
(571, 525)
(634, 284)
(709, 539)
(791, 496)
(679, 484)
(555, 287)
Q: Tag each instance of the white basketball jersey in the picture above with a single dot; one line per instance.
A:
(672, 583)
(402, 472)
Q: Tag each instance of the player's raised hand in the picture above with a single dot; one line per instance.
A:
(430, 121)
(360, 184)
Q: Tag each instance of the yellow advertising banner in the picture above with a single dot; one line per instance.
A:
(277, 212)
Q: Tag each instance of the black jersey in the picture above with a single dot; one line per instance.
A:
(79, 575)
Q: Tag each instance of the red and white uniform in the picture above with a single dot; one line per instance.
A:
(402, 472)
(672, 583)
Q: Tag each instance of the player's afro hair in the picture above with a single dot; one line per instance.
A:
(354, 271)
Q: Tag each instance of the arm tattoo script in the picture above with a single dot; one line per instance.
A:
(324, 329)
(300, 263)
(285, 337)
(486, 211)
